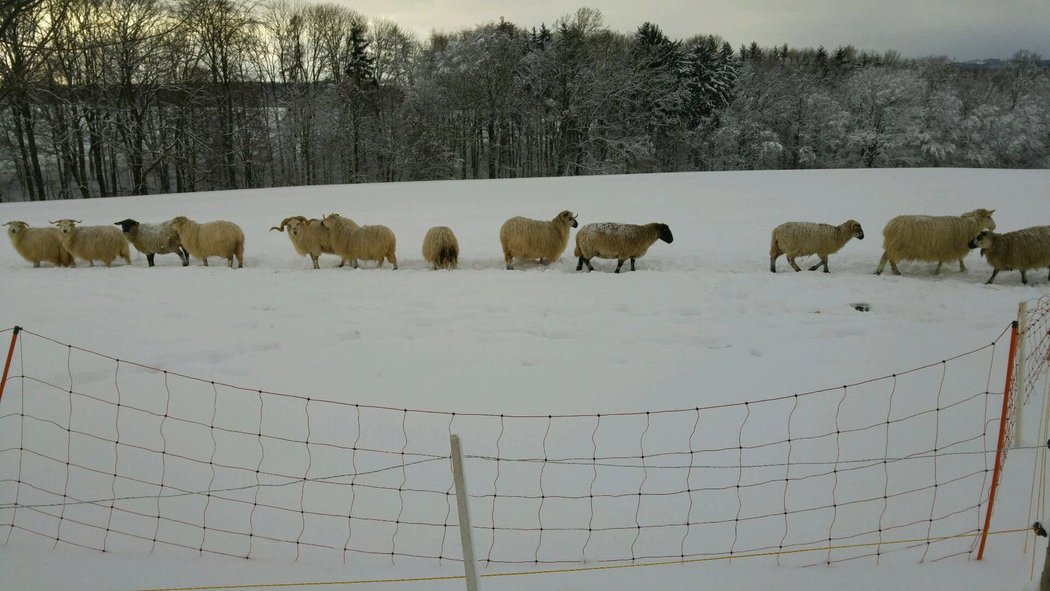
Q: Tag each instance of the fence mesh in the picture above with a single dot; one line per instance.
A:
(113, 455)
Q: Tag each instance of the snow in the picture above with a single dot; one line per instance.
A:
(701, 323)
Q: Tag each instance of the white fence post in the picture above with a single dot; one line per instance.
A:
(1022, 321)
(466, 537)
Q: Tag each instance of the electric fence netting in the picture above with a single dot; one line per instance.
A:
(113, 455)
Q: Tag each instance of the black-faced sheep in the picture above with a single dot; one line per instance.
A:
(154, 239)
(798, 239)
(211, 239)
(525, 238)
(440, 248)
(93, 243)
(352, 242)
(610, 240)
(1019, 250)
(939, 239)
(308, 237)
(38, 244)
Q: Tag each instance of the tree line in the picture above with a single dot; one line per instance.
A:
(118, 97)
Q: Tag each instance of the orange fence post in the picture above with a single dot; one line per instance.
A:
(7, 364)
(1002, 440)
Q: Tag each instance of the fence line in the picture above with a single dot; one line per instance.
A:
(115, 455)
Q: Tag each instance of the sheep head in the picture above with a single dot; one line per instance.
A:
(126, 225)
(287, 222)
(982, 218)
(66, 226)
(853, 226)
(332, 220)
(982, 240)
(15, 228)
(567, 217)
(664, 233)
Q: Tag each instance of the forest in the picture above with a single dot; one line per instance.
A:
(129, 97)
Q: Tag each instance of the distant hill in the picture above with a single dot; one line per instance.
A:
(991, 64)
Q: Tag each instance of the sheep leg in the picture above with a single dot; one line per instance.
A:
(1023, 278)
(773, 263)
(962, 267)
(794, 265)
(619, 263)
(992, 278)
(205, 261)
(316, 265)
(507, 258)
(379, 263)
(229, 262)
(149, 258)
(393, 260)
(937, 271)
(632, 263)
(579, 264)
(823, 261)
(185, 256)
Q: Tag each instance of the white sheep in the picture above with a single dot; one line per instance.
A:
(352, 242)
(1019, 250)
(610, 240)
(308, 237)
(937, 239)
(798, 239)
(91, 243)
(525, 238)
(440, 248)
(211, 239)
(38, 244)
(154, 239)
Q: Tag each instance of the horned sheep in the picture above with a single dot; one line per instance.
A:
(440, 248)
(524, 238)
(211, 239)
(610, 240)
(308, 237)
(352, 242)
(154, 239)
(93, 243)
(937, 239)
(38, 244)
(1019, 250)
(797, 239)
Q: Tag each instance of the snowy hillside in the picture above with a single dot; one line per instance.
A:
(702, 322)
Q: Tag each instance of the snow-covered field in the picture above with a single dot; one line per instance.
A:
(701, 323)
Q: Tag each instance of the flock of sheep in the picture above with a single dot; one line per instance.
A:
(937, 239)
(522, 238)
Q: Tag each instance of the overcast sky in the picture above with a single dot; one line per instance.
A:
(962, 29)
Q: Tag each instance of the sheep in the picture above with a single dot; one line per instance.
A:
(617, 241)
(337, 226)
(38, 244)
(1018, 250)
(797, 239)
(440, 248)
(153, 239)
(928, 238)
(308, 237)
(525, 238)
(91, 243)
(211, 239)
(352, 242)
